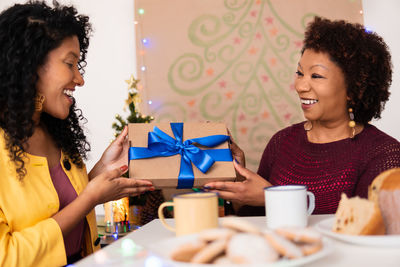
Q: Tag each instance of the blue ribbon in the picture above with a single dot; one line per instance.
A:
(161, 144)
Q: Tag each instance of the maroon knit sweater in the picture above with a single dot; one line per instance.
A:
(348, 165)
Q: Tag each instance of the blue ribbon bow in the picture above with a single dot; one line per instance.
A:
(161, 144)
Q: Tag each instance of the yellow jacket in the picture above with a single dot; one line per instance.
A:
(28, 234)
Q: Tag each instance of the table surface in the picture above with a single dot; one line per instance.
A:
(131, 249)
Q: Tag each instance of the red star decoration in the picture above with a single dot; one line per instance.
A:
(222, 84)
(287, 116)
(273, 61)
(253, 51)
(243, 130)
(210, 71)
(291, 86)
(264, 78)
(258, 36)
(269, 20)
(298, 44)
(193, 115)
(191, 103)
(273, 31)
(242, 117)
(237, 40)
(253, 13)
(258, 2)
(229, 94)
(265, 115)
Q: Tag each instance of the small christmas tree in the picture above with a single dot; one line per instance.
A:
(145, 206)
(132, 103)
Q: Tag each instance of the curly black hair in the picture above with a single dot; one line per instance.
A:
(28, 32)
(364, 58)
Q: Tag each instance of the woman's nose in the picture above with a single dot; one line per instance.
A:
(301, 85)
(78, 79)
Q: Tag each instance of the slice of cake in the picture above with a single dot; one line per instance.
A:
(358, 216)
(385, 191)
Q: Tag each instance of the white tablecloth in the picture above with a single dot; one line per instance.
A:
(124, 252)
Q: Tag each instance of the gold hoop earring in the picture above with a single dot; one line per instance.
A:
(352, 123)
(308, 126)
(39, 99)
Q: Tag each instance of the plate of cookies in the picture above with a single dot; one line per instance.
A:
(238, 242)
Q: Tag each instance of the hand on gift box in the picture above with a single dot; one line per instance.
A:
(115, 155)
(248, 192)
(237, 152)
(109, 185)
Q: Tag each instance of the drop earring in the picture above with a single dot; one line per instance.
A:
(308, 126)
(39, 99)
(352, 123)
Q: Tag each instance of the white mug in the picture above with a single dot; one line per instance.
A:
(286, 205)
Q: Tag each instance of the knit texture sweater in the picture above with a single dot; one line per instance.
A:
(328, 169)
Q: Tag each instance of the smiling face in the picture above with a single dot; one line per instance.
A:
(58, 77)
(321, 86)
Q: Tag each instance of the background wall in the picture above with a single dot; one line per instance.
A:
(111, 60)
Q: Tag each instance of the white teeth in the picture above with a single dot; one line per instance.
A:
(69, 93)
(308, 101)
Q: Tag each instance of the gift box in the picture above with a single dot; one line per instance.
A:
(180, 155)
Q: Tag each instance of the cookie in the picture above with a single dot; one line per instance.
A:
(245, 248)
(310, 248)
(210, 252)
(283, 246)
(240, 225)
(210, 235)
(304, 235)
(185, 252)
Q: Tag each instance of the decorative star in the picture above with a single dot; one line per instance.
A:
(273, 61)
(298, 44)
(269, 20)
(243, 130)
(265, 115)
(132, 82)
(258, 36)
(264, 78)
(287, 116)
(242, 117)
(191, 102)
(253, 13)
(229, 94)
(273, 31)
(236, 40)
(222, 84)
(253, 51)
(210, 71)
(291, 86)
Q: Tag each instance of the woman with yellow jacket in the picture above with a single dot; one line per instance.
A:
(46, 195)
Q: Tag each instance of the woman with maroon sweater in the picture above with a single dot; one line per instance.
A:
(343, 80)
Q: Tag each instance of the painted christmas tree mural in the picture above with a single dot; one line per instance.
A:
(238, 67)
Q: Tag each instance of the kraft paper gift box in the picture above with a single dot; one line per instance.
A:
(153, 161)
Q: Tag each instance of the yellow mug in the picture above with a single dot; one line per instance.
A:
(193, 212)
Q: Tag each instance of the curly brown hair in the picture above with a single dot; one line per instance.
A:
(364, 58)
(28, 32)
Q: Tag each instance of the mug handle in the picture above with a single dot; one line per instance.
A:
(311, 202)
(161, 215)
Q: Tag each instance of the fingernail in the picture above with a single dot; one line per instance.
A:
(152, 189)
(123, 168)
(237, 161)
(206, 187)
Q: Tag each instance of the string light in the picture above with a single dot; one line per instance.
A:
(143, 68)
(141, 11)
(145, 41)
(361, 11)
(136, 22)
(150, 102)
